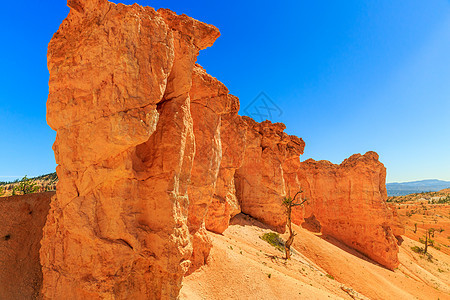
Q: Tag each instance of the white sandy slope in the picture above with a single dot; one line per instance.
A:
(242, 266)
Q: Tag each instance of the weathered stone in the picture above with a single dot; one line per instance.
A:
(260, 184)
(120, 78)
(233, 134)
(209, 99)
(151, 152)
(349, 202)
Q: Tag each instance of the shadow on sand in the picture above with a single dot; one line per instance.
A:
(310, 225)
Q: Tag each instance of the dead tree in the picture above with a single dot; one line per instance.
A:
(428, 234)
(289, 203)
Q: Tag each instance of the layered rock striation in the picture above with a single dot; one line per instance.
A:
(152, 153)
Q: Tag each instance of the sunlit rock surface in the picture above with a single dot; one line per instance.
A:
(152, 153)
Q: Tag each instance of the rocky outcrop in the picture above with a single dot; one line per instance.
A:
(260, 182)
(348, 202)
(225, 205)
(210, 100)
(120, 78)
(22, 218)
(151, 153)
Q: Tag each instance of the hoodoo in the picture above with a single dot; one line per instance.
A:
(152, 153)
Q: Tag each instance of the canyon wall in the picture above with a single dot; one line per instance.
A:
(152, 153)
(119, 100)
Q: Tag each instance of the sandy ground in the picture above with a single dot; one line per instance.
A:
(242, 266)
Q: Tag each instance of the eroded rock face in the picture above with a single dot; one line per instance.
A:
(151, 153)
(260, 181)
(210, 100)
(225, 205)
(120, 78)
(349, 203)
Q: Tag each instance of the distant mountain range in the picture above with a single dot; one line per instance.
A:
(405, 188)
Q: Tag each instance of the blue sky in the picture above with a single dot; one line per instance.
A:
(348, 76)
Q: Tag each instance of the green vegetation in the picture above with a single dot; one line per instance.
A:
(417, 249)
(25, 186)
(9, 182)
(427, 241)
(46, 182)
(429, 196)
(442, 200)
(421, 250)
(274, 239)
(51, 177)
(330, 276)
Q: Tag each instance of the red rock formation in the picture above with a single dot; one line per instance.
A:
(225, 205)
(151, 153)
(260, 183)
(348, 200)
(22, 218)
(209, 101)
(120, 78)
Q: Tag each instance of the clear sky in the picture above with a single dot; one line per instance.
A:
(347, 76)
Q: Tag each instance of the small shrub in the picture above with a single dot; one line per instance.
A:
(274, 239)
(269, 275)
(422, 253)
(417, 249)
(330, 276)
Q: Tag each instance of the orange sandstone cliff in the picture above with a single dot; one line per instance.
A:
(347, 201)
(120, 78)
(260, 183)
(152, 153)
